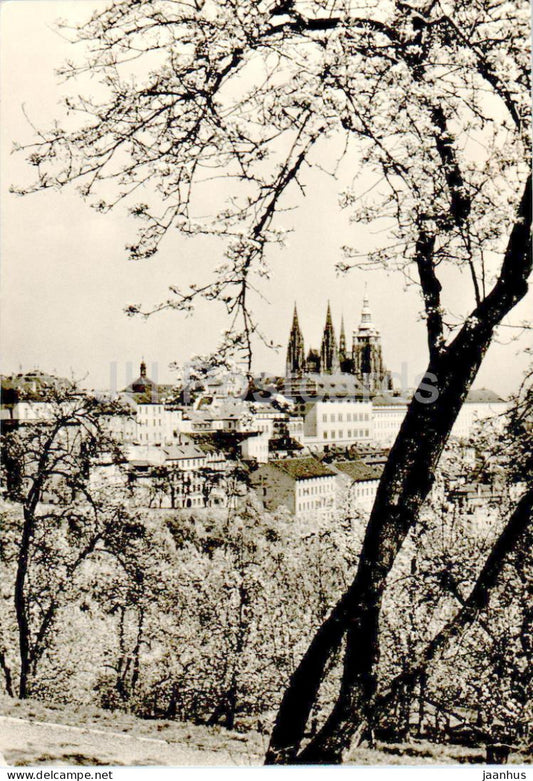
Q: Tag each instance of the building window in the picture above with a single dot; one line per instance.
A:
(332, 418)
(333, 435)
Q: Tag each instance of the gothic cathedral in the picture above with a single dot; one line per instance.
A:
(364, 361)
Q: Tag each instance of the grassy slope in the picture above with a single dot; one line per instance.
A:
(178, 743)
(169, 742)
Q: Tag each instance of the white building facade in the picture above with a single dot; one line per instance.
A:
(337, 422)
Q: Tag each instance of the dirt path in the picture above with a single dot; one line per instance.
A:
(27, 742)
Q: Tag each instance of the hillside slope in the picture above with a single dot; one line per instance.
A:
(32, 733)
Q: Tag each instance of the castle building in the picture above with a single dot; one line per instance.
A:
(364, 361)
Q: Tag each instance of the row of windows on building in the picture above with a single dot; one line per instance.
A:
(188, 466)
(316, 504)
(152, 409)
(361, 433)
(320, 488)
(349, 417)
(367, 490)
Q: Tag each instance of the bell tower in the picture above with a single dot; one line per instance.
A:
(367, 353)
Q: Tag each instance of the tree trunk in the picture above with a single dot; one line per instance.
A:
(20, 599)
(21, 608)
(8, 680)
(231, 704)
(421, 704)
(406, 481)
(137, 651)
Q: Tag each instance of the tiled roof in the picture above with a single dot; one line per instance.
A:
(302, 468)
(179, 452)
(358, 471)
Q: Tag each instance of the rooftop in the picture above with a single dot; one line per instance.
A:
(179, 452)
(388, 400)
(358, 471)
(302, 468)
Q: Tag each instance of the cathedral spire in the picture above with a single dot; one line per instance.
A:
(329, 355)
(366, 312)
(342, 340)
(295, 323)
(344, 358)
(295, 351)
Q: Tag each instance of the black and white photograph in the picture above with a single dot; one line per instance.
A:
(266, 451)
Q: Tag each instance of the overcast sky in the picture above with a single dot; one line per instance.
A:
(66, 277)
